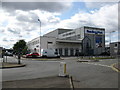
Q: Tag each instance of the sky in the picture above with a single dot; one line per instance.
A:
(19, 20)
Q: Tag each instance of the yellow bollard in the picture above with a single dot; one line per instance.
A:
(65, 68)
(62, 69)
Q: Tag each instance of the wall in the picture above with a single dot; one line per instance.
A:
(115, 48)
(35, 43)
(46, 42)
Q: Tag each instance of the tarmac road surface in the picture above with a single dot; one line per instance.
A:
(85, 75)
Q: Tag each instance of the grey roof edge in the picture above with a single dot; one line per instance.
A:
(39, 37)
(93, 27)
(115, 42)
(57, 30)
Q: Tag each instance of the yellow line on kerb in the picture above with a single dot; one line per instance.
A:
(115, 69)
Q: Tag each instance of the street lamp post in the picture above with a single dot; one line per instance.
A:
(40, 36)
(110, 35)
(19, 51)
(110, 39)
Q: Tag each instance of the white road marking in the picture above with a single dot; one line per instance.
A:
(108, 60)
(50, 61)
(111, 66)
(97, 64)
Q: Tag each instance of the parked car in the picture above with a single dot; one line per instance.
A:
(49, 53)
(32, 55)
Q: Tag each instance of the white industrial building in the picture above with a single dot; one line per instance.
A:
(68, 42)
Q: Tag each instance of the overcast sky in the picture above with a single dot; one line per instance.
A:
(19, 20)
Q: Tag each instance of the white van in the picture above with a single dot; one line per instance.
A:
(49, 53)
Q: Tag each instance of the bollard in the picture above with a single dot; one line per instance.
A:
(62, 69)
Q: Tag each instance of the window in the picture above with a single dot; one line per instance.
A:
(56, 52)
(116, 45)
(78, 36)
(60, 51)
(50, 42)
(55, 49)
(37, 46)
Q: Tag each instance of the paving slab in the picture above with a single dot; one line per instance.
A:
(48, 82)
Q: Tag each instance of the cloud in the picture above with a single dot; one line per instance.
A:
(97, 4)
(22, 24)
(5, 40)
(26, 6)
(25, 25)
(31, 18)
(23, 16)
(13, 31)
(106, 17)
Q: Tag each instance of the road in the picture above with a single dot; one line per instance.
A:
(94, 74)
(88, 75)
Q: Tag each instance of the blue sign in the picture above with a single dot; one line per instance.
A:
(94, 32)
(98, 41)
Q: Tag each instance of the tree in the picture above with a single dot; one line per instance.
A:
(20, 48)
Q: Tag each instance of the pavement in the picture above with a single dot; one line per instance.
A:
(48, 82)
(15, 65)
(10, 65)
(47, 59)
(42, 59)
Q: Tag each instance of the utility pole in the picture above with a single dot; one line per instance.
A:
(110, 35)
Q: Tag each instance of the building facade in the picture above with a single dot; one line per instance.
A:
(115, 48)
(68, 42)
(93, 40)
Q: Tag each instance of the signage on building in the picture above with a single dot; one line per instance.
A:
(94, 31)
(98, 41)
